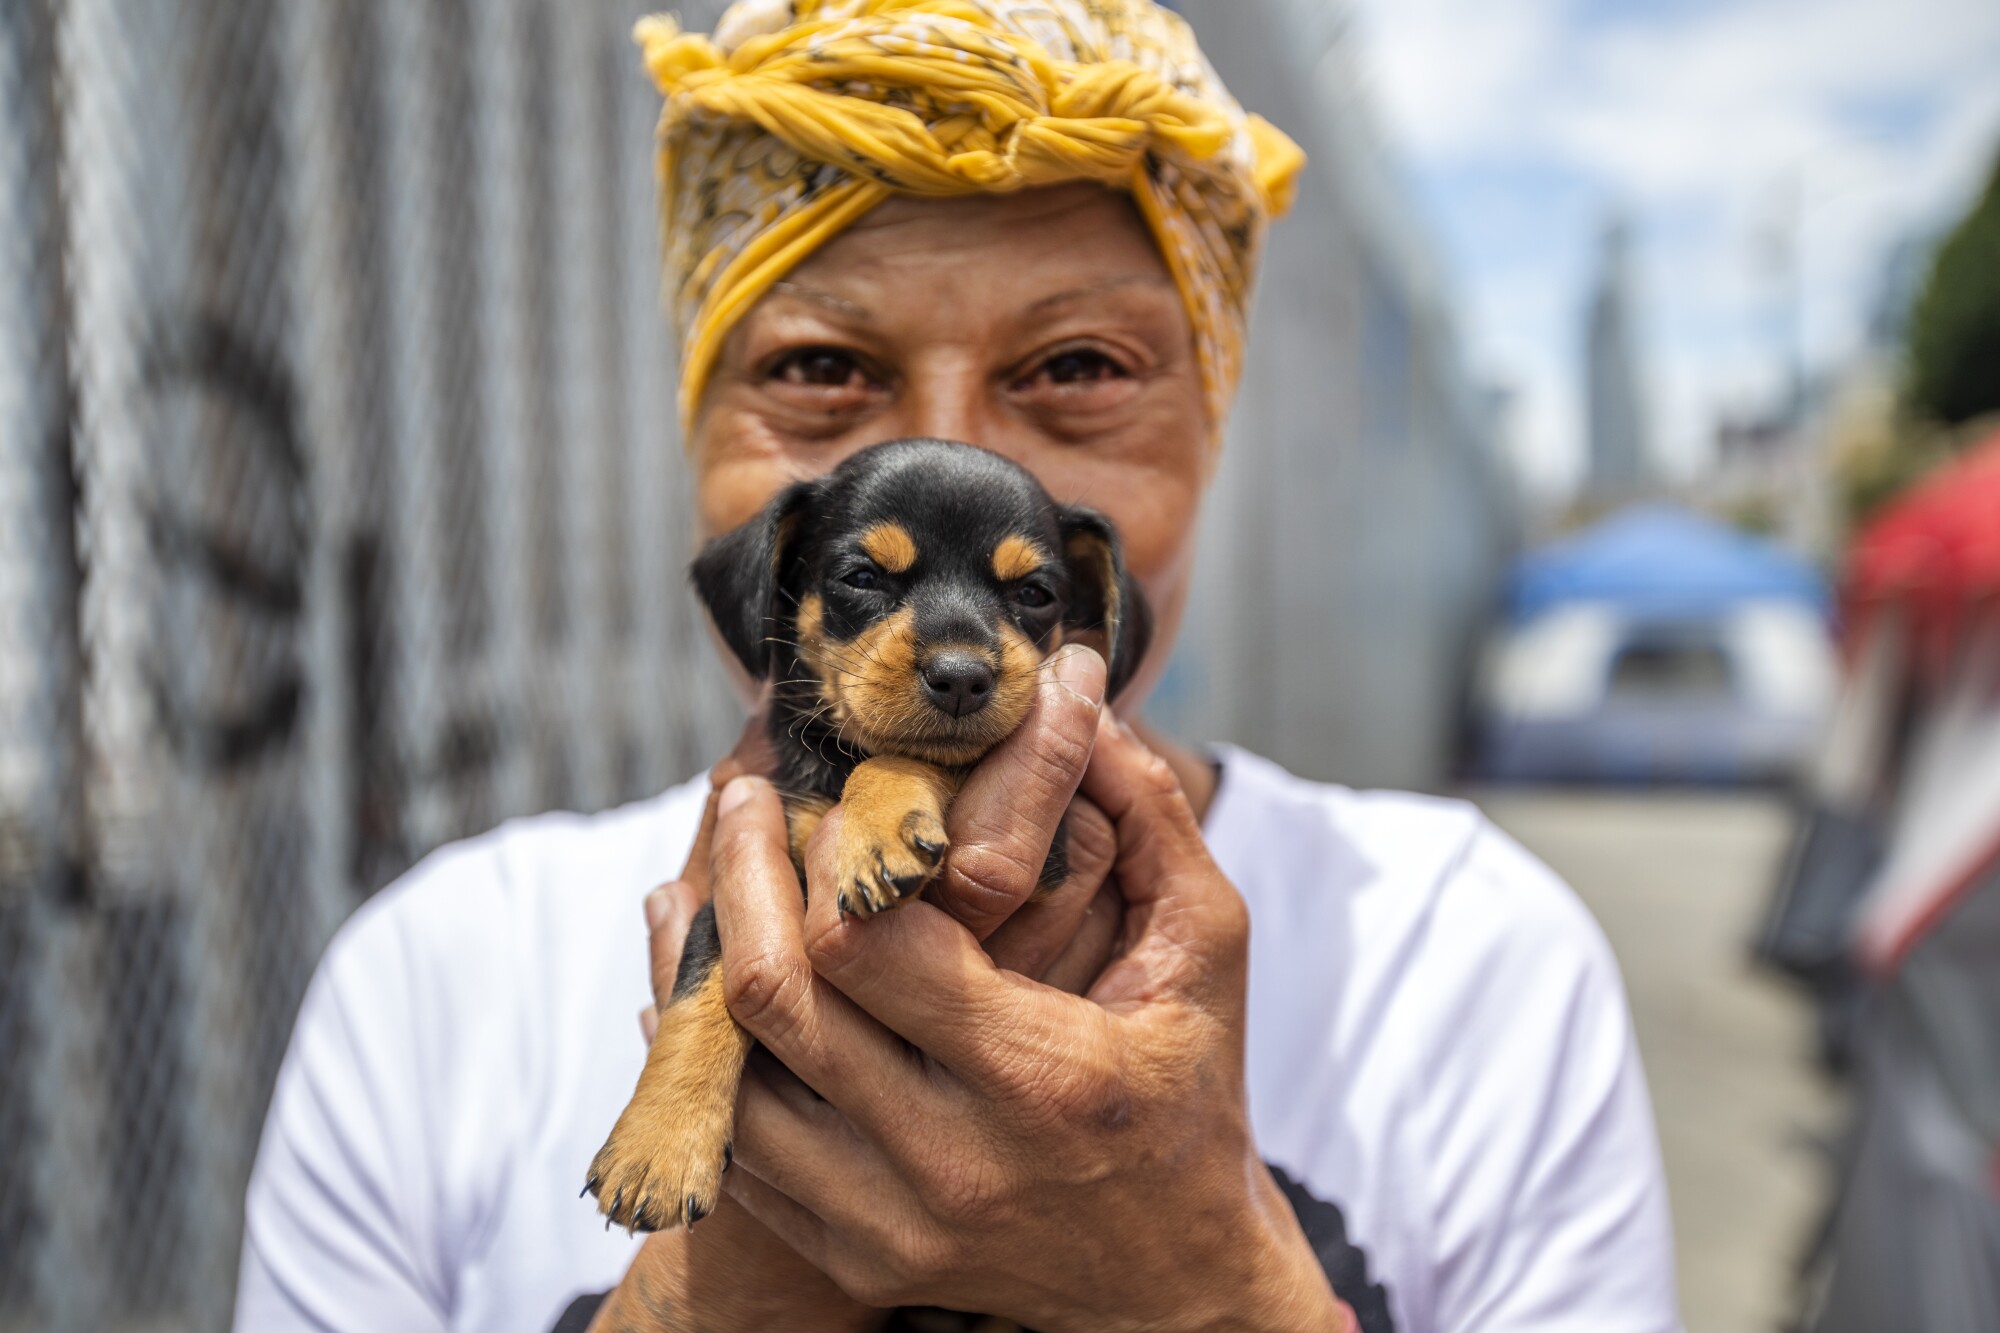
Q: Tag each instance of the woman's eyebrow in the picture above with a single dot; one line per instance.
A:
(1098, 289)
(852, 309)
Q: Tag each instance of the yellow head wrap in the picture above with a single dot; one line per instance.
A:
(798, 116)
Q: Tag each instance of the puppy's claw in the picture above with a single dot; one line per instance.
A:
(902, 886)
(648, 1213)
(892, 838)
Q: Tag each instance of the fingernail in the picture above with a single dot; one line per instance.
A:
(1080, 671)
(658, 903)
(649, 1023)
(736, 793)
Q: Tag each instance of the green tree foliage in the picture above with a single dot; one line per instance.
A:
(1955, 324)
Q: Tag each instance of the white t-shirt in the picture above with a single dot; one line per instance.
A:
(1438, 1044)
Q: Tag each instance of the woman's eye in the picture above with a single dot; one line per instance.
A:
(821, 367)
(1081, 365)
(866, 580)
(1033, 596)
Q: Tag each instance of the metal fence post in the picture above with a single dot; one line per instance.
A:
(324, 218)
(45, 1210)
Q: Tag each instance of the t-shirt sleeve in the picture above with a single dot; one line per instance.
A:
(337, 1205)
(1549, 1208)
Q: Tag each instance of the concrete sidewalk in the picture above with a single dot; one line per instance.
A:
(1678, 883)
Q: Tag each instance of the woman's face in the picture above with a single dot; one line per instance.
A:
(1042, 325)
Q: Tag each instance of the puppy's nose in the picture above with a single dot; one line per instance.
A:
(958, 683)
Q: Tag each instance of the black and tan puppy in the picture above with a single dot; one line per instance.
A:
(900, 607)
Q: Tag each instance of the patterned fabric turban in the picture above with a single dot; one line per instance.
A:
(798, 116)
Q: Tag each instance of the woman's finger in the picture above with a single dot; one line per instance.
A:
(921, 975)
(1091, 949)
(769, 981)
(1185, 921)
(671, 907)
(800, 1147)
(752, 755)
(1031, 939)
(789, 1220)
(1002, 820)
(695, 872)
(669, 910)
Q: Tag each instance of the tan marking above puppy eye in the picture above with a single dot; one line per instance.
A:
(1016, 558)
(890, 546)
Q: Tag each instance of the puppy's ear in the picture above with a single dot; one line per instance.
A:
(1104, 597)
(741, 577)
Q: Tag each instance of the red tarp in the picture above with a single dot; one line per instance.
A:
(1933, 554)
(1935, 549)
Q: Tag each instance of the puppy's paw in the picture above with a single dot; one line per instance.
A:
(663, 1164)
(650, 1179)
(886, 853)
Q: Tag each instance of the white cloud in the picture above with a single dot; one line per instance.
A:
(1442, 66)
(1701, 123)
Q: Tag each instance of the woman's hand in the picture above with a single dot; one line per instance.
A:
(731, 1271)
(986, 1142)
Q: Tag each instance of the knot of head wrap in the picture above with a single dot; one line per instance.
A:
(796, 118)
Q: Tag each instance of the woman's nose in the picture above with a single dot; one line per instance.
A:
(946, 397)
(954, 421)
(949, 395)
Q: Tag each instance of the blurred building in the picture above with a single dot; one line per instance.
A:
(1784, 464)
(1615, 411)
(1361, 520)
(343, 514)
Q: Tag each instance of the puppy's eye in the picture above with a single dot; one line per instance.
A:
(864, 579)
(1033, 596)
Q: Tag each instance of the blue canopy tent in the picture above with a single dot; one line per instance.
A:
(1658, 645)
(1662, 562)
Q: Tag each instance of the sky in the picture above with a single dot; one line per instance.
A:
(1730, 133)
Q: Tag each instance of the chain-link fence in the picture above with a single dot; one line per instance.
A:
(339, 497)
(341, 515)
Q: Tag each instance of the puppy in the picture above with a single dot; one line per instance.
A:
(900, 607)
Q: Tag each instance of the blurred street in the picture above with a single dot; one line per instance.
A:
(1678, 881)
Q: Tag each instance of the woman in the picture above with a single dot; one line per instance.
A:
(1031, 224)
